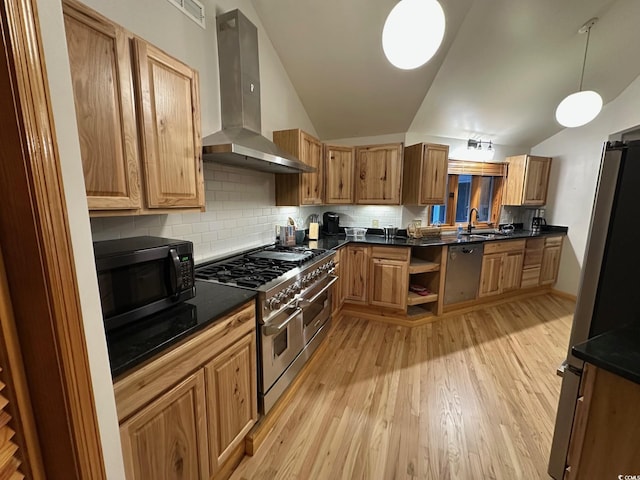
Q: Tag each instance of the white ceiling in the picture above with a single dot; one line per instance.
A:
(503, 67)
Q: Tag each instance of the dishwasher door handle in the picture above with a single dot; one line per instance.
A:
(468, 250)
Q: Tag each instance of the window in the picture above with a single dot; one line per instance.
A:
(470, 186)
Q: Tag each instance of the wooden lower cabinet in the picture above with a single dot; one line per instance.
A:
(168, 438)
(550, 265)
(231, 398)
(356, 273)
(490, 275)
(184, 414)
(501, 267)
(512, 271)
(389, 283)
(603, 440)
(337, 297)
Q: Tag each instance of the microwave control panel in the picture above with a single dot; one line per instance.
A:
(186, 270)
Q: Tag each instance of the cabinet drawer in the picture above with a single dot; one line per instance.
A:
(501, 247)
(391, 253)
(530, 277)
(552, 241)
(533, 257)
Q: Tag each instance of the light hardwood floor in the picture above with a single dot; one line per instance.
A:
(467, 397)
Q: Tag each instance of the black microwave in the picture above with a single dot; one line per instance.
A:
(139, 276)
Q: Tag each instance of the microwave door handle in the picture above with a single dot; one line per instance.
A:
(176, 277)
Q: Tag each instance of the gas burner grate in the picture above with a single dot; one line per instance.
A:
(256, 268)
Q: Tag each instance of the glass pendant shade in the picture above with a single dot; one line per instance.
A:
(579, 108)
(413, 33)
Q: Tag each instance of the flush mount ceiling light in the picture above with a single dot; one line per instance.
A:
(581, 107)
(413, 33)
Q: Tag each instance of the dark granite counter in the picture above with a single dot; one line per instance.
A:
(136, 343)
(338, 241)
(617, 351)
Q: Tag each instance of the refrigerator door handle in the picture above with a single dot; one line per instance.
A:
(566, 367)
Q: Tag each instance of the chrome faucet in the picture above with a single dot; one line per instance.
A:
(470, 226)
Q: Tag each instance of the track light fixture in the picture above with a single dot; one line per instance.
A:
(478, 144)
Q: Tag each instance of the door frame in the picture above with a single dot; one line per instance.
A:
(37, 250)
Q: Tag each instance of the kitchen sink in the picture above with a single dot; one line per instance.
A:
(481, 236)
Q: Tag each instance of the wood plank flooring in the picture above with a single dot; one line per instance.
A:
(467, 397)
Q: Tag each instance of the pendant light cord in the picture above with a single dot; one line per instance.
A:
(584, 61)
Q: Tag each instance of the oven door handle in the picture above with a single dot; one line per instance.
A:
(305, 302)
(275, 329)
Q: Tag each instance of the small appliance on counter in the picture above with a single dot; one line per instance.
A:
(538, 221)
(330, 223)
(140, 276)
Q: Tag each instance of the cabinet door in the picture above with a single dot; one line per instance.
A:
(355, 265)
(311, 183)
(167, 439)
(100, 61)
(379, 174)
(536, 181)
(339, 167)
(550, 264)
(512, 271)
(433, 184)
(170, 129)
(389, 283)
(232, 398)
(490, 275)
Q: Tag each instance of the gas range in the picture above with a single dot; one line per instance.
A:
(279, 273)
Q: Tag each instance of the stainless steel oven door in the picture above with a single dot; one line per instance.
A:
(281, 341)
(316, 307)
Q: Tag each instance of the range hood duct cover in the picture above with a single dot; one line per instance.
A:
(240, 143)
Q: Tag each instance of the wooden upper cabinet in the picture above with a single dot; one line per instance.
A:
(168, 438)
(147, 131)
(300, 188)
(99, 55)
(527, 180)
(169, 108)
(339, 168)
(425, 174)
(379, 174)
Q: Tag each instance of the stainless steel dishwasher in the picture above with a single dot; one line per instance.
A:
(463, 273)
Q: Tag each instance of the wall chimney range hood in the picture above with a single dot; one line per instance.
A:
(240, 142)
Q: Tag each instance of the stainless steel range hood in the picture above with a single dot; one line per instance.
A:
(240, 143)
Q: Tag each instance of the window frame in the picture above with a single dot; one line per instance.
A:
(476, 170)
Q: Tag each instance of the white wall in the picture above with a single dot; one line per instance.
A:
(55, 51)
(574, 173)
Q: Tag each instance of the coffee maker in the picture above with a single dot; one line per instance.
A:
(331, 223)
(538, 221)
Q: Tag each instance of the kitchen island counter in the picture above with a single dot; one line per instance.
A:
(131, 345)
(617, 351)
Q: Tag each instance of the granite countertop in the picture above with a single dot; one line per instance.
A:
(338, 241)
(136, 343)
(617, 351)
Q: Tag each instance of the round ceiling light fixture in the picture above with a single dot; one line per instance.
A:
(580, 108)
(413, 33)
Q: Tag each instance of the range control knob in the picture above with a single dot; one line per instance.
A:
(273, 303)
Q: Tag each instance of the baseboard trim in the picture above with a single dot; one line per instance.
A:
(561, 294)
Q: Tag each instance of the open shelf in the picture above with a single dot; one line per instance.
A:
(419, 265)
(415, 299)
(416, 312)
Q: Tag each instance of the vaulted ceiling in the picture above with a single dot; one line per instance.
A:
(503, 67)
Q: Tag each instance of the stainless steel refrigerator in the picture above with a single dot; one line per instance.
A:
(606, 299)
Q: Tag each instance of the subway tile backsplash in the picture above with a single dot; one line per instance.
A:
(240, 214)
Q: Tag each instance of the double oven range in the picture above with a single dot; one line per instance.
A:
(293, 310)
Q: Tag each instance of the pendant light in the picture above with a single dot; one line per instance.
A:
(581, 107)
(413, 33)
